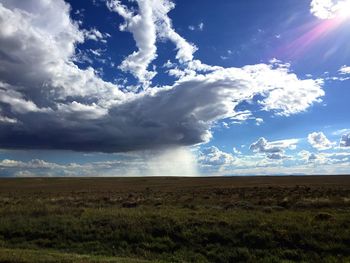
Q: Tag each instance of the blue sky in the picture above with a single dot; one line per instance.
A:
(161, 87)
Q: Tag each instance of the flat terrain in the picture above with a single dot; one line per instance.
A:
(231, 219)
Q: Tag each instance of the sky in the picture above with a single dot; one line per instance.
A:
(174, 87)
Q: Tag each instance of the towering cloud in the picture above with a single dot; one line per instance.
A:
(147, 24)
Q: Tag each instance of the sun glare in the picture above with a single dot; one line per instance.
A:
(344, 9)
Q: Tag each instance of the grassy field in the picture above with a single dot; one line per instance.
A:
(237, 219)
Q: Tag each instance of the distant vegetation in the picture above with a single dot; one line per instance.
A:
(241, 219)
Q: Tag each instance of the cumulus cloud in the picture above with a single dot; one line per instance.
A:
(48, 102)
(324, 158)
(345, 140)
(212, 156)
(275, 149)
(319, 141)
(212, 160)
(307, 156)
(259, 121)
(344, 70)
(328, 9)
(236, 151)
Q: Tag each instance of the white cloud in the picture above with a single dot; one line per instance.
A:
(143, 28)
(290, 95)
(16, 101)
(96, 35)
(312, 157)
(341, 131)
(336, 157)
(328, 9)
(182, 161)
(236, 151)
(275, 149)
(165, 29)
(241, 116)
(97, 52)
(87, 112)
(276, 156)
(324, 158)
(5, 119)
(345, 140)
(192, 28)
(212, 156)
(319, 141)
(304, 169)
(33, 164)
(199, 27)
(149, 23)
(344, 70)
(225, 125)
(307, 156)
(259, 121)
(191, 68)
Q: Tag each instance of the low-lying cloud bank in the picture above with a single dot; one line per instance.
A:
(179, 161)
(286, 156)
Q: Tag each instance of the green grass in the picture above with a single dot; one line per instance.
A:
(47, 256)
(183, 234)
(217, 223)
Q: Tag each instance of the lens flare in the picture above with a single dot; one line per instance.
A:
(331, 16)
(313, 33)
(344, 10)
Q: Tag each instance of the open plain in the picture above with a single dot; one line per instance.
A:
(175, 219)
